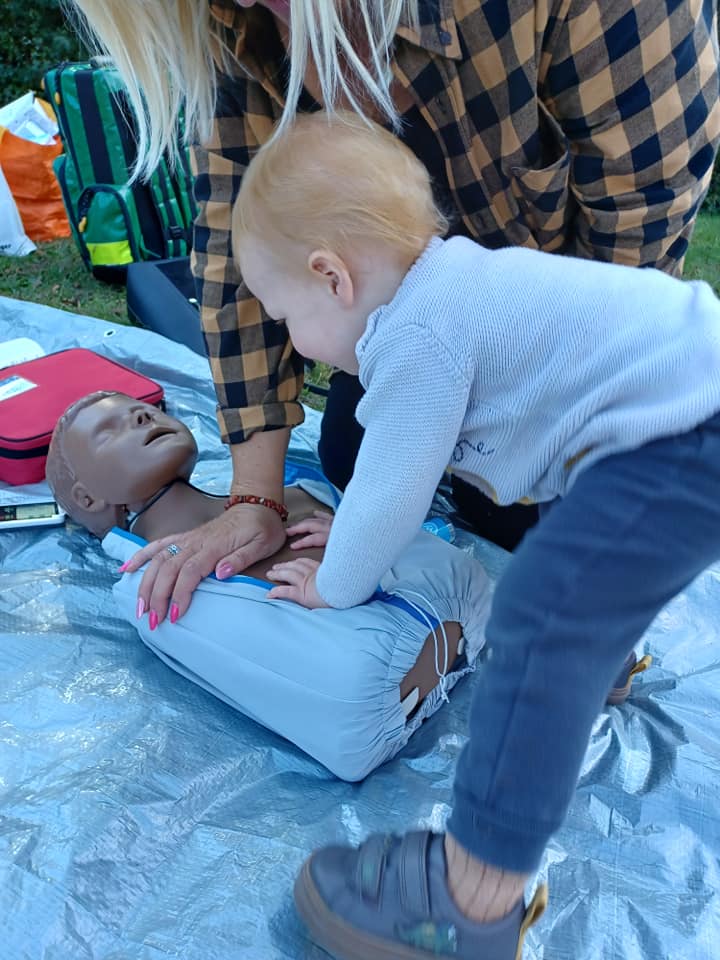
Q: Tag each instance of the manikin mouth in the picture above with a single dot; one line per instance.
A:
(156, 433)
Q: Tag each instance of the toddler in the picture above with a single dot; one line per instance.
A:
(538, 377)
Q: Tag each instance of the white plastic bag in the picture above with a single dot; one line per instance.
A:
(13, 241)
(26, 119)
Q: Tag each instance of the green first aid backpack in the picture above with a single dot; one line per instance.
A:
(114, 224)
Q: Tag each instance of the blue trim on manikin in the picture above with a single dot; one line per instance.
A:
(393, 600)
(236, 578)
(301, 471)
(293, 473)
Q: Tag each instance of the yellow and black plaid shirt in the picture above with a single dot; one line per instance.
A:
(586, 127)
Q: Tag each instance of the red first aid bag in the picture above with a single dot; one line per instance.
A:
(34, 395)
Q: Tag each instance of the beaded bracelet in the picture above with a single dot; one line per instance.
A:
(279, 508)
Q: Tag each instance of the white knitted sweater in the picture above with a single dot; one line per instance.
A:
(519, 369)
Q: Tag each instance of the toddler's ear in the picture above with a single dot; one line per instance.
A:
(332, 269)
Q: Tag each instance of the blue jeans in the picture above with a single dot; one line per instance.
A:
(582, 588)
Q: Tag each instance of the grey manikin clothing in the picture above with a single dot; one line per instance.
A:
(328, 680)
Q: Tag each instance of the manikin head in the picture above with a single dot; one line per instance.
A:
(109, 454)
(330, 216)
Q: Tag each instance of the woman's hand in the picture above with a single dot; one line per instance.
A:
(316, 527)
(299, 577)
(226, 545)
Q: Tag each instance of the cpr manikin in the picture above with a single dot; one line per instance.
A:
(347, 686)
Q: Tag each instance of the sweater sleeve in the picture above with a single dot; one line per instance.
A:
(412, 412)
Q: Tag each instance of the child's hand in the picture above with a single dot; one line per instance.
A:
(316, 527)
(300, 577)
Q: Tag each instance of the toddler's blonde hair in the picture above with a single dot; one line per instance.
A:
(333, 181)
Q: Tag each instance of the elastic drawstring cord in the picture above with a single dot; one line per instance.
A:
(442, 674)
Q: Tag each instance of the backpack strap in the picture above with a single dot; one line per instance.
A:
(176, 229)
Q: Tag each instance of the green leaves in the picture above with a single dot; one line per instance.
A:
(33, 37)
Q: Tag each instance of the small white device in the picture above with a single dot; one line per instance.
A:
(19, 350)
(42, 513)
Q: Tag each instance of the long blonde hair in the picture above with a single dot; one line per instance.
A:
(336, 181)
(163, 50)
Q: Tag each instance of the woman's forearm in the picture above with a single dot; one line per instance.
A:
(259, 464)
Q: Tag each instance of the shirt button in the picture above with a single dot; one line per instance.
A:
(444, 37)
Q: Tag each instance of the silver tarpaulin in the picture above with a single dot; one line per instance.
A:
(141, 819)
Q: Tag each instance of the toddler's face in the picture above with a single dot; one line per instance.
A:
(319, 327)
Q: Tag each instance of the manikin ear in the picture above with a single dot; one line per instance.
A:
(331, 268)
(84, 499)
(95, 514)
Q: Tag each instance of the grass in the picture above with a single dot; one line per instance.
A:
(55, 275)
(703, 257)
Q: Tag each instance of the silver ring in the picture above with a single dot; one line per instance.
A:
(173, 549)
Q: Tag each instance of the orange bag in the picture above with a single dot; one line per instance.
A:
(29, 172)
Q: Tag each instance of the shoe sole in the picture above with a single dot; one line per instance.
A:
(618, 695)
(338, 937)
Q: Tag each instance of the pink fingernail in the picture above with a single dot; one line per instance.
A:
(225, 570)
(174, 612)
(153, 619)
(140, 608)
(124, 567)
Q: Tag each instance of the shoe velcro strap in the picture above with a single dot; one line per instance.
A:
(413, 879)
(532, 914)
(641, 666)
(371, 865)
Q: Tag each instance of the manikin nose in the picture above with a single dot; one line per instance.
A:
(142, 417)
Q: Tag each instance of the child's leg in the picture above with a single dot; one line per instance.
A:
(585, 584)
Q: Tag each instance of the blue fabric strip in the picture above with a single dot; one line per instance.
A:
(415, 611)
(237, 578)
(301, 471)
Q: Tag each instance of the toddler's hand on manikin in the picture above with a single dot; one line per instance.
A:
(298, 582)
(316, 528)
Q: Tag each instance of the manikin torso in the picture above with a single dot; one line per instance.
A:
(183, 507)
(132, 462)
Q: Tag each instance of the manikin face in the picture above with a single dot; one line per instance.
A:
(123, 451)
(322, 324)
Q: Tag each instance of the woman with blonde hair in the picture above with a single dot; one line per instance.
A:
(569, 126)
(572, 126)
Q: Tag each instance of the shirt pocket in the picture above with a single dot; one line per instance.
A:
(542, 190)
